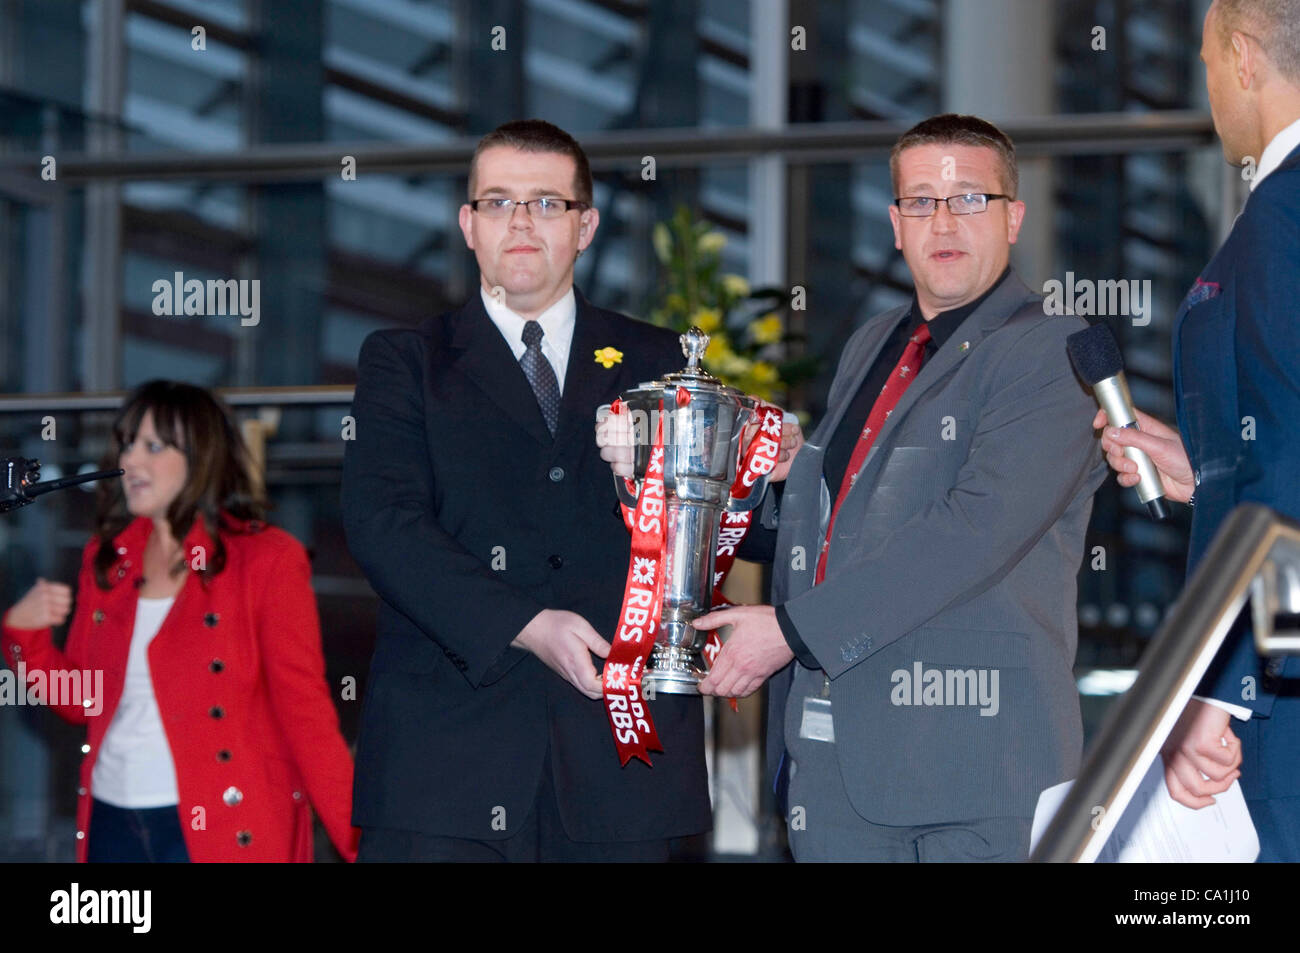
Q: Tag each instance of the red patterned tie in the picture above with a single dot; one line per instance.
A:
(903, 374)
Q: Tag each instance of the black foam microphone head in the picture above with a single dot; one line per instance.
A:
(1094, 352)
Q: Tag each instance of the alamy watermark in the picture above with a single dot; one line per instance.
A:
(179, 295)
(63, 687)
(133, 908)
(1084, 296)
(948, 687)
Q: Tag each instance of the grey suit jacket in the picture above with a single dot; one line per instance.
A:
(957, 548)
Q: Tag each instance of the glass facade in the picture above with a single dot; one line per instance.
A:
(338, 254)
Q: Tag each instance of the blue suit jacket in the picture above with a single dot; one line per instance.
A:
(1237, 381)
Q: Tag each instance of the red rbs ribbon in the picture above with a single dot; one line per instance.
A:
(760, 458)
(643, 598)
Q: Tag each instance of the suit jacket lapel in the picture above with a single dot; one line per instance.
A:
(992, 314)
(587, 384)
(867, 352)
(487, 360)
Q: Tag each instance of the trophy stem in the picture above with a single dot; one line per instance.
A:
(673, 670)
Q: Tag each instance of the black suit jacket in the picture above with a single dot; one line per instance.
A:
(469, 519)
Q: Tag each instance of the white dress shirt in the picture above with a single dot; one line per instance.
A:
(134, 768)
(557, 323)
(1283, 145)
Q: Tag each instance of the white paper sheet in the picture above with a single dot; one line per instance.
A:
(1157, 829)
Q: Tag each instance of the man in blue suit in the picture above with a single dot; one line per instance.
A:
(1237, 386)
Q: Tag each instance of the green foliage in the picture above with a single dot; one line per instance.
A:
(746, 327)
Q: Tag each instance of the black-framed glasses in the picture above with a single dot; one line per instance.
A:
(500, 207)
(968, 203)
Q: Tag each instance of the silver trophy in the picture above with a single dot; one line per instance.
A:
(701, 453)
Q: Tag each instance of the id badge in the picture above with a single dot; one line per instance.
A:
(816, 724)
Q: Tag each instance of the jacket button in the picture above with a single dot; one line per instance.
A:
(210, 619)
(556, 474)
(216, 711)
(216, 666)
(232, 796)
(223, 755)
(556, 561)
(244, 838)
(81, 835)
(81, 792)
(98, 616)
(297, 795)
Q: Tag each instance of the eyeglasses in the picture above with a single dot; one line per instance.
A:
(536, 208)
(968, 203)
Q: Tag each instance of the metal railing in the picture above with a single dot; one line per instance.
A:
(326, 395)
(1255, 553)
(1090, 133)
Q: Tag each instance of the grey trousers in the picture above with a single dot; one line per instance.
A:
(823, 825)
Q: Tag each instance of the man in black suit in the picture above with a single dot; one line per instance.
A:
(478, 507)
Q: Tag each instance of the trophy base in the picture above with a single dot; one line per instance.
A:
(674, 671)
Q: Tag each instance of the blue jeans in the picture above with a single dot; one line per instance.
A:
(121, 835)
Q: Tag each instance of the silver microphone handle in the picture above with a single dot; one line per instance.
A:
(1114, 397)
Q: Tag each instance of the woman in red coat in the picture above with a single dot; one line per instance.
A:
(210, 725)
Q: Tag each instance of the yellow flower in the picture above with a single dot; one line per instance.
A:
(608, 357)
(735, 286)
(767, 329)
(711, 243)
(734, 367)
(707, 320)
(726, 363)
(720, 359)
(717, 352)
(764, 372)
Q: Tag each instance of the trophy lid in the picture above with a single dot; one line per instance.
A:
(693, 377)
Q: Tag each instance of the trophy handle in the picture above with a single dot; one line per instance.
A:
(750, 502)
(760, 485)
(624, 496)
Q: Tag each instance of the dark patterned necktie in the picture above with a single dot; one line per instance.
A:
(541, 375)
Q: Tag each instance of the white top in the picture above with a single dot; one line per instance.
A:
(1283, 145)
(134, 768)
(557, 323)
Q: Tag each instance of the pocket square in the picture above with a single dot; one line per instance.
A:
(1201, 291)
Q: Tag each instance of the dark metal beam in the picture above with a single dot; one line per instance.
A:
(313, 396)
(1094, 134)
(187, 21)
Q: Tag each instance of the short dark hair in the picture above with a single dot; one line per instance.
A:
(951, 128)
(1274, 23)
(537, 135)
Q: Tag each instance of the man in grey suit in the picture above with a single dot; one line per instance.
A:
(923, 623)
